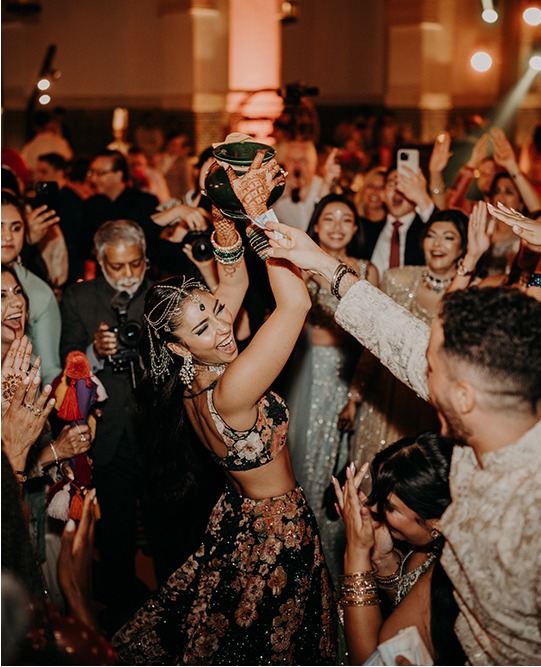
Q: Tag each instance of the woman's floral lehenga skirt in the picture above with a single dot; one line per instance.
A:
(257, 592)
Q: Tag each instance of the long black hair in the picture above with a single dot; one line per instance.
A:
(416, 470)
(182, 482)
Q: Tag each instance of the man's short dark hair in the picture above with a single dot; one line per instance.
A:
(55, 160)
(498, 331)
(119, 162)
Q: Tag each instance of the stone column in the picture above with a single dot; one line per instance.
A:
(419, 62)
(195, 64)
(254, 66)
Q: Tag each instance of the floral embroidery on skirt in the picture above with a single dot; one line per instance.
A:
(257, 592)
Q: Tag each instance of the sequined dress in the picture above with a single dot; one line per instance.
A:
(316, 394)
(390, 410)
(257, 591)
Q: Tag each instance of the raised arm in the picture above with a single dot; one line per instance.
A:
(480, 230)
(505, 156)
(438, 161)
(231, 267)
(251, 374)
(395, 336)
(457, 193)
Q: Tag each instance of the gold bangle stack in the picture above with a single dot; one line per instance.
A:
(359, 589)
(227, 254)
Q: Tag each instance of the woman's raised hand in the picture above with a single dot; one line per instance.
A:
(297, 247)
(253, 188)
(356, 515)
(480, 231)
(39, 220)
(440, 153)
(526, 228)
(24, 420)
(16, 366)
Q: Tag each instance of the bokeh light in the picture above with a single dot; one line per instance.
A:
(532, 15)
(489, 16)
(481, 61)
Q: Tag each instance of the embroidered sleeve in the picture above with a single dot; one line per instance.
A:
(389, 331)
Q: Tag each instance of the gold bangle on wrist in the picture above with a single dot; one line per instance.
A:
(462, 269)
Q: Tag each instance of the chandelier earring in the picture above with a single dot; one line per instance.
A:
(187, 372)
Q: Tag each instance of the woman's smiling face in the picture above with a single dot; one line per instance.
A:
(206, 329)
(335, 227)
(13, 309)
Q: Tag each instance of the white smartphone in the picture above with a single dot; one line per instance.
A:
(407, 157)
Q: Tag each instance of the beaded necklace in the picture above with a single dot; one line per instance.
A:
(434, 283)
(407, 581)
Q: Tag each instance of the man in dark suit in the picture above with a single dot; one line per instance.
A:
(100, 317)
(116, 199)
(396, 241)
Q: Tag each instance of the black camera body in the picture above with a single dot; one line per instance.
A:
(201, 246)
(125, 360)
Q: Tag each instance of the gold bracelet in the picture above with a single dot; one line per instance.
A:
(56, 459)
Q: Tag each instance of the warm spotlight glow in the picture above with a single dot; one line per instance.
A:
(535, 63)
(532, 15)
(481, 61)
(44, 99)
(43, 84)
(489, 16)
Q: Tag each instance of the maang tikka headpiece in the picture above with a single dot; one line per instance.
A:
(160, 359)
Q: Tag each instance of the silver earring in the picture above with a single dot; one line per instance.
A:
(187, 372)
(435, 534)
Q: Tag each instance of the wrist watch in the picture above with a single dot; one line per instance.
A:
(462, 269)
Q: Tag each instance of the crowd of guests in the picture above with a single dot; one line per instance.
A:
(306, 431)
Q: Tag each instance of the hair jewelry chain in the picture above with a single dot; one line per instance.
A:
(160, 357)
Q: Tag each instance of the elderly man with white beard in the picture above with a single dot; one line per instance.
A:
(101, 318)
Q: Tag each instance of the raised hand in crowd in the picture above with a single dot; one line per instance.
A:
(16, 366)
(438, 161)
(413, 187)
(527, 228)
(38, 222)
(24, 421)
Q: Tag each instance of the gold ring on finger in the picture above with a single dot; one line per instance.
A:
(37, 412)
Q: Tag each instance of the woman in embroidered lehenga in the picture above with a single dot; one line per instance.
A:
(257, 591)
(321, 370)
(387, 409)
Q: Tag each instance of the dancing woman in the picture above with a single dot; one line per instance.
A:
(257, 591)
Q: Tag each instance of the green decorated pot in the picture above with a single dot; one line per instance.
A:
(240, 156)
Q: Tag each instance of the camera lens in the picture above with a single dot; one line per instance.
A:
(403, 156)
(201, 245)
(128, 334)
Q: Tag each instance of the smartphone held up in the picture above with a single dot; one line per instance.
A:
(46, 195)
(407, 157)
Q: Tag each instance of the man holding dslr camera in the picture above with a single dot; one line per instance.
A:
(101, 317)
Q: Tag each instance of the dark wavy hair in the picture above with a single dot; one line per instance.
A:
(497, 330)
(355, 247)
(171, 451)
(456, 217)
(416, 470)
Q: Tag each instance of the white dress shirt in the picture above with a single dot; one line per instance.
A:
(382, 249)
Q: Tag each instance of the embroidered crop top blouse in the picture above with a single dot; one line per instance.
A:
(258, 445)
